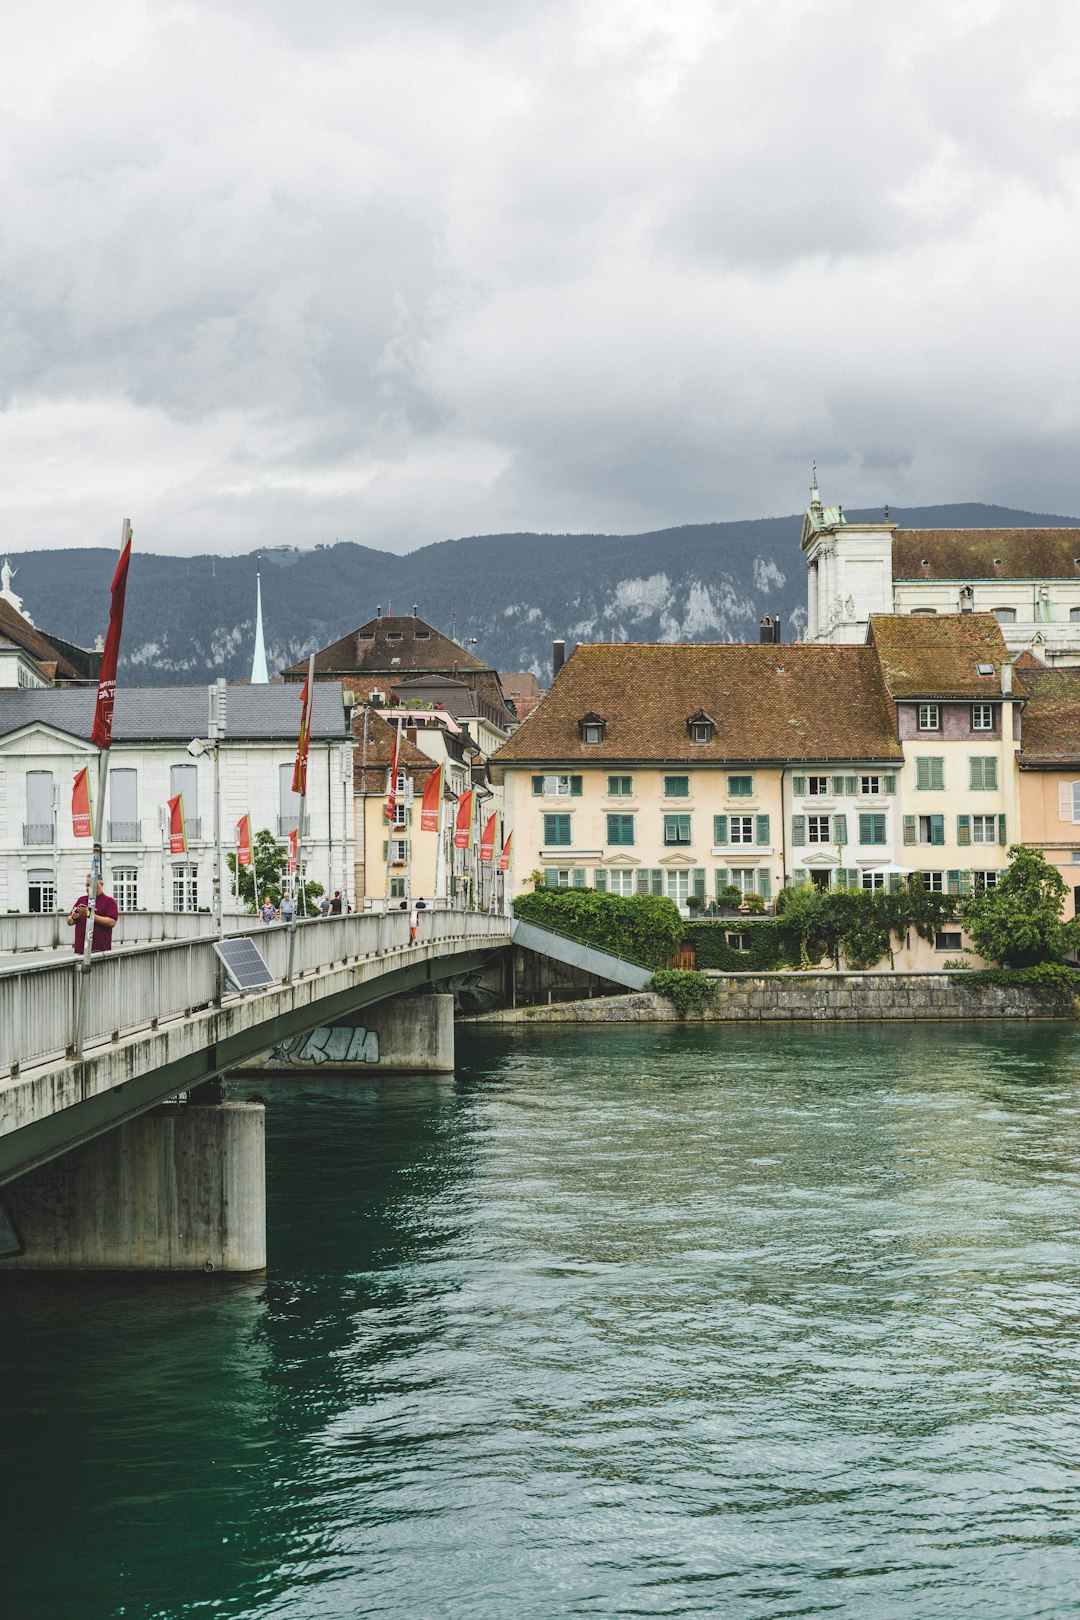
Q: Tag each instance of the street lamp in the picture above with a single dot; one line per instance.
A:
(197, 747)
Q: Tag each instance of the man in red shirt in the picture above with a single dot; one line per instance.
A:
(106, 911)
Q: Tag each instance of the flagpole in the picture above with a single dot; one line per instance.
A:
(392, 792)
(440, 848)
(303, 812)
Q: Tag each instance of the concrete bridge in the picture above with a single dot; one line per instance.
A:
(94, 1172)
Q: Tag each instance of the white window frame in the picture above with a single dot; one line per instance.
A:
(984, 825)
(185, 886)
(554, 787)
(592, 734)
(870, 785)
(817, 787)
(980, 881)
(677, 886)
(125, 887)
(982, 717)
(814, 833)
(929, 717)
(740, 829)
(873, 880)
(700, 732)
(744, 878)
(933, 882)
(620, 881)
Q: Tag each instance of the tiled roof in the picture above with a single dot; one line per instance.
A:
(32, 641)
(986, 554)
(177, 713)
(400, 645)
(372, 754)
(1050, 728)
(771, 702)
(936, 655)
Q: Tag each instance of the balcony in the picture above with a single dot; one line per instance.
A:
(125, 832)
(288, 824)
(193, 827)
(37, 832)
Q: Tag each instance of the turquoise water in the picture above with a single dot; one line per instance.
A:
(652, 1321)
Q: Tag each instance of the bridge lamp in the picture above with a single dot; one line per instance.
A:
(197, 748)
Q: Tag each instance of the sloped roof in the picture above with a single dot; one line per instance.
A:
(371, 756)
(399, 645)
(1050, 728)
(986, 554)
(801, 701)
(177, 713)
(936, 655)
(32, 641)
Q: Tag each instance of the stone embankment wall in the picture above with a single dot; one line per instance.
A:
(779, 997)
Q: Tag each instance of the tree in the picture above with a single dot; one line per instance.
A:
(271, 859)
(1018, 922)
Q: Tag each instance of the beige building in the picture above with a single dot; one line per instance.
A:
(1049, 784)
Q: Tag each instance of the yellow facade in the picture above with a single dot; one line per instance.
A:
(1050, 822)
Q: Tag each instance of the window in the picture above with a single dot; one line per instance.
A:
(1069, 801)
(820, 880)
(741, 829)
(929, 717)
(620, 829)
(740, 787)
(41, 891)
(290, 804)
(591, 727)
(676, 787)
(560, 787)
(984, 829)
(743, 878)
(947, 940)
(871, 829)
(817, 828)
(1005, 615)
(982, 717)
(401, 813)
(185, 779)
(556, 829)
(870, 784)
(421, 635)
(700, 731)
(924, 610)
(873, 880)
(619, 882)
(678, 887)
(931, 829)
(620, 787)
(932, 882)
(737, 942)
(983, 772)
(125, 887)
(397, 851)
(397, 888)
(984, 881)
(38, 828)
(818, 786)
(930, 774)
(676, 829)
(560, 877)
(123, 806)
(185, 886)
(1074, 615)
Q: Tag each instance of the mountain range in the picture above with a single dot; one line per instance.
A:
(190, 619)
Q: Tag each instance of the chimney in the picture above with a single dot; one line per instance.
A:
(1006, 681)
(378, 611)
(776, 629)
(558, 657)
(765, 629)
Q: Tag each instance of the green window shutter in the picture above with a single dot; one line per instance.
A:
(600, 880)
(798, 786)
(641, 880)
(761, 829)
(764, 883)
(837, 785)
(890, 784)
(1002, 839)
(551, 877)
(575, 787)
(854, 878)
(721, 879)
(952, 882)
(975, 772)
(910, 830)
(896, 882)
(657, 881)
(851, 784)
(937, 774)
(965, 883)
(866, 829)
(537, 785)
(839, 829)
(385, 849)
(798, 829)
(990, 771)
(719, 829)
(937, 829)
(577, 877)
(697, 882)
(922, 773)
(963, 829)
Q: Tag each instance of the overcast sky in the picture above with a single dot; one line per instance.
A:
(286, 271)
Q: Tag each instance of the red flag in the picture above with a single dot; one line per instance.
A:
(303, 742)
(294, 849)
(177, 826)
(430, 803)
(243, 842)
(463, 827)
(391, 791)
(106, 692)
(81, 818)
(504, 858)
(487, 839)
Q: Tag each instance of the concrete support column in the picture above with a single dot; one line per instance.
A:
(403, 1035)
(178, 1189)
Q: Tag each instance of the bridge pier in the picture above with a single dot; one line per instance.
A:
(178, 1189)
(411, 1034)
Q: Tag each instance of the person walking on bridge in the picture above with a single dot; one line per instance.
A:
(106, 912)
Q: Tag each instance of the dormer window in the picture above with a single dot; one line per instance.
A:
(701, 727)
(591, 728)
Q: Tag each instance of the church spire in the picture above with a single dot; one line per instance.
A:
(259, 674)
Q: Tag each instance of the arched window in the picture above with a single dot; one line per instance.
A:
(1005, 615)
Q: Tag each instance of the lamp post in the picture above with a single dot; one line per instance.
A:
(212, 746)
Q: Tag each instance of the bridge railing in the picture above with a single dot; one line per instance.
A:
(132, 989)
(46, 931)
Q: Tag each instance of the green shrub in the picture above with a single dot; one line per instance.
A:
(765, 945)
(1045, 978)
(753, 905)
(687, 992)
(1019, 923)
(644, 928)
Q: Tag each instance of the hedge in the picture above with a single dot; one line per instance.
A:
(644, 928)
(765, 940)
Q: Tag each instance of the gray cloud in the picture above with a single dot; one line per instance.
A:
(272, 272)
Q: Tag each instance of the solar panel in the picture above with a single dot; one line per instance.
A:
(244, 964)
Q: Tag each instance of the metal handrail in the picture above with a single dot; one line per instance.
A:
(590, 944)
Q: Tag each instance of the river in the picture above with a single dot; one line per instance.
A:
(626, 1322)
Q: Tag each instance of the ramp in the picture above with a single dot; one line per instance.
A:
(572, 953)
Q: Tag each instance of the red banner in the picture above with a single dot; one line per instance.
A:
(177, 826)
(303, 742)
(243, 842)
(294, 849)
(487, 839)
(504, 858)
(81, 819)
(106, 692)
(431, 802)
(391, 787)
(463, 825)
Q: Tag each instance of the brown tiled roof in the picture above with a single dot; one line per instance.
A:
(771, 702)
(523, 690)
(1050, 727)
(936, 655)
(1028, 660)
(401, 645)
(371, 759)
(38, 646)
(986, 554)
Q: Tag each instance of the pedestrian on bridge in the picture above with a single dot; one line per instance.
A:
(106, 912)
(267, 913)
(288, 907)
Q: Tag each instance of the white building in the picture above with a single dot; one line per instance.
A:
(1028, 578)
(44, 743)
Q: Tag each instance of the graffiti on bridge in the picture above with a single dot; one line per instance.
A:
(332, 1043)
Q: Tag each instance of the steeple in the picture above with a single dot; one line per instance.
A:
(259, 673)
